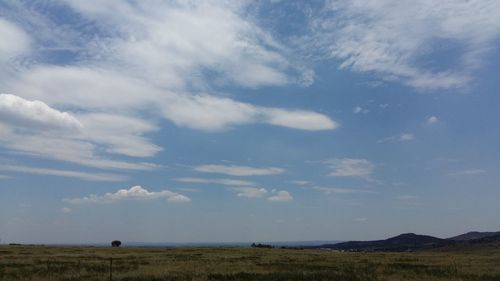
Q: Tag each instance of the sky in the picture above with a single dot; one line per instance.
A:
(224, 121)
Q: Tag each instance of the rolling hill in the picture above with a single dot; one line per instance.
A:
(414, 242)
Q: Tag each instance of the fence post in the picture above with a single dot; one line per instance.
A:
(110, 269)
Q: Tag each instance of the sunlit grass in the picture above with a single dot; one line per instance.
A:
(247, 264)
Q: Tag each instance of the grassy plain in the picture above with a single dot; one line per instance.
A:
(37, 263)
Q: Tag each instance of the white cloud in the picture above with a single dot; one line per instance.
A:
(347, 167)
(119, 134)
(209, 113)
(63, 173)
(407, 197)
(234, 170)
(281, 196)
(249, 192)
(228, 182)
(14, 42)
(300, 182)
(168, 40)
(398, 138)
(134, 193)
(406, 137)
(395, 38)
(468, 172)
(359, 109)
(147, 62)
(36, 129)
(299, 119)
(336, 190)
(65, 210)
(34, 114)
(432, 120)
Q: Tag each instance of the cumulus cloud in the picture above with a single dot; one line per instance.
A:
(393, 38)
(35, 114)
(280, 196)
(134, 193)
(234, 170)
(63, 173)
(348, 167)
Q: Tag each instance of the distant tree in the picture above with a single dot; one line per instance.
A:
(261, 246)
(116, 243)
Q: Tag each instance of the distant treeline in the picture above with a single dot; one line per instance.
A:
(267, 246)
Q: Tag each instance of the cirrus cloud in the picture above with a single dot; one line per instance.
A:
(392, 38)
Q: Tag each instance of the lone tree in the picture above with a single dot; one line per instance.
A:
(116, 243)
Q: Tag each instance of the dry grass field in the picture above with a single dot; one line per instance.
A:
(39, 263)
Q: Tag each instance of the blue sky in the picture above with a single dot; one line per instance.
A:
(210, 121)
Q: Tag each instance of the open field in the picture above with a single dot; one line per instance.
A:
(232, 264)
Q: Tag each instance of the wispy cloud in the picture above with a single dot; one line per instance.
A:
(3, 177)
(234, 170)
(63, 173)
(300, 182)
(136, 63)
(336, 190)
(249, 192)
(432, 120)
(407, 197)
(134, 193)
(359, 109)
(228, 182)
(398, 138)
(348, 167)
(469, 172)
(386, 37)
(409, 200)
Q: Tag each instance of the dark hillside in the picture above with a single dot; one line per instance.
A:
(400, 243)
(473, 235)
